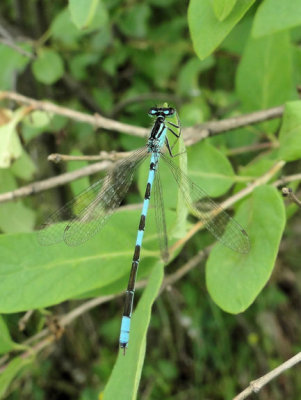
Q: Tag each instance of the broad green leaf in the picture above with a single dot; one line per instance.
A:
(23, 167)
(189, 75)
(38, 119)
(11, 63)
(40, 276)
(63, 30)
(158, 68)
(80, 63)
(276, 15)
(125, 378)
(34, 128)
(14, 367)
(133, 21)
(82, 12)
(222, 8)
(100, 19)
(191, 114)
(48, 67)
(210, 169)
(14, 216)
(264, 76)
(290, 132)
(206, 31)
(235, 42)
(10, 146)
(6, 342)
(235, 280)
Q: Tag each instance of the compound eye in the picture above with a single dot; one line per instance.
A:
(171, 111)
(153, 111)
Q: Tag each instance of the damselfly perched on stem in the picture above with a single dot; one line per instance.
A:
(88, 212)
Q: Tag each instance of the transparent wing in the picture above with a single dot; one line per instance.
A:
(216, 220)
(87, 213)
(160, 217)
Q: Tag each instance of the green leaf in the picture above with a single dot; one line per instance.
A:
(133, 22)
(206, 31)
(235, 280)
(236, 41)
(11, 63)
(48, 67)
(63, 29)
(191, 113)
(222, 8)
(23, 167)
(6, 342)
(276, 15)
(14, 367)
(82, 12)
(125, 378)
(189, 75)
(264, 76)
(14, 216)
(290, 132)
(38, 119)
(41, 276)
(10, 146)
(210, 169)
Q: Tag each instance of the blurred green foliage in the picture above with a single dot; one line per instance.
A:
(211, 60)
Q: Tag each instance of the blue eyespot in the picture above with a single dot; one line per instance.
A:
(153, 111)
(156, 111)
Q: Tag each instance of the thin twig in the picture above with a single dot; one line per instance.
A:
(252, 147)
(287, 179)
(257, 385)
(103, 155)
(55, 181)
(212, 128)
(17, 48)
(192, 263)
(8, 40)
(192, 135)
(95, 120)
(23, 321)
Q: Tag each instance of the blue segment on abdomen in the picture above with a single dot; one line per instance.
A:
(124, 330)
(139, 237)
(145, 207)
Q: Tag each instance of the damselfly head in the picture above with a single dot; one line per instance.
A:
(161, 111)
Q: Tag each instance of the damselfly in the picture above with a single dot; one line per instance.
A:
(87, 213)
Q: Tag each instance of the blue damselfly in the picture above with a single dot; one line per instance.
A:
(87, 213)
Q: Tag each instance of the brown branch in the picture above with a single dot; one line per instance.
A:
(17, 48)
(287, 179)
(55, 181)
(252, 147)
(95, 120)
(191, 135)
(258, 384)
(212, 128)
(103, 155)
